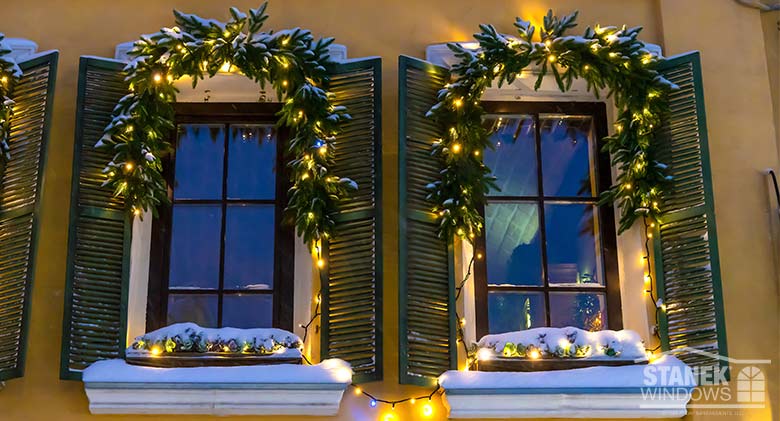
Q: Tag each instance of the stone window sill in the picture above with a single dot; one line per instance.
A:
(594, 392)
(115, 387)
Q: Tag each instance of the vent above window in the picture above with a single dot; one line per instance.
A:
(523, 87)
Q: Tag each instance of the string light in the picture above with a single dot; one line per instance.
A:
(456, 148)
(157, 78)
(457, 103)
(427, 410)
(320, 263)
(129, 166)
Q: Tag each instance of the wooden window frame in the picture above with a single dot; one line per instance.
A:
(284, 251)
(607, 232)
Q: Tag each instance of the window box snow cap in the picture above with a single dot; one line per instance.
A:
(116, 387)
(568, 343)
(184, 344)
(660, 389)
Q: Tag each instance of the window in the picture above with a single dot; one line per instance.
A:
(220, 255)
(549, 250)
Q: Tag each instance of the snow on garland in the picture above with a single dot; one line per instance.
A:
(189, 337)
(290, 60)
(568, 342)
(610, 58)
(9, 74)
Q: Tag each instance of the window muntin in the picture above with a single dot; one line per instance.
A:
(549, 249)
(225, 259)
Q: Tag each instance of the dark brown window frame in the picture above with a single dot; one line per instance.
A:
(284, 252)
(606, 213)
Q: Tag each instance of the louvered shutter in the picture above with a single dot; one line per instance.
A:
(686, 246)
(21, 183)
(352, 280)
(426, 288)
(95, 318)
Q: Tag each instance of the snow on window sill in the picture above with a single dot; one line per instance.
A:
(638, 391)
(115, 387)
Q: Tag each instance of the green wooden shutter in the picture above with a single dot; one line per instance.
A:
(95, 321)
(352, 280)
(686, 246)
(21, 184)
(426, 288)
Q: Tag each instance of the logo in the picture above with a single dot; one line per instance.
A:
(711, 384)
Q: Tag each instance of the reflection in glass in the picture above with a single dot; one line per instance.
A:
(247, 310)
(200, 150)
(584, 310)
(513, 244)
(251, 162)
(572, 244)
(196, 308)
(514, 159)
(512, 310)
(249, 247)
(195, 243)
(567, 156)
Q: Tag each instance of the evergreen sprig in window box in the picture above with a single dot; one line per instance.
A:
(189, 345)
(545, 349)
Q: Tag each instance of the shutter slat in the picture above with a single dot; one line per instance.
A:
(95, 319)
(427, 329)
(352, 282)
(21, 181)
(686, 256)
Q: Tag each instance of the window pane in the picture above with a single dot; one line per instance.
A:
(247, 310)
(584, 310)
(513, 310)
(572, 245)
(514, 254)
(567, 158)
(195, 308)
(200, 150)
(195, 243)
(252, 162)
(514, 159)
(249, 247)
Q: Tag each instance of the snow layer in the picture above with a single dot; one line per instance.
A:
(258, 340)
(667, 371)
(626, 344)
(118, 371)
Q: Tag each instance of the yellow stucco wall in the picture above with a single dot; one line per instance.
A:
(740, 116)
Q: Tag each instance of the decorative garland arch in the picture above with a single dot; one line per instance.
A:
(9, 75)
(609, 58)
(290, 60)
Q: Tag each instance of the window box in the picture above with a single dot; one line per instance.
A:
(116, 387)
(596, 392)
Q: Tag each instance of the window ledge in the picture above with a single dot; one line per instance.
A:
(115, 387)
(594, 392)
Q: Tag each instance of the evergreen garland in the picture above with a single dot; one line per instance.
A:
(608, 58)
(9, 74)
(291, 61)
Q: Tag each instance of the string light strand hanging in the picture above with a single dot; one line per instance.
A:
(9, 75)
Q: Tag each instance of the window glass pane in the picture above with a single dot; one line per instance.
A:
(513, 250)
(249, 247)
(247, 310)
(200, 150)
(584, 310)
(572, 245)
(252, 162)
(514, 159)
(195, 244)
(515, 310)
(567, 158)
(195, 308)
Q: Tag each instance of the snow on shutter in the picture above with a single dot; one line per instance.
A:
(21, 182)
(352, 280)
(686, 246)
(95, 318)
(427, 299)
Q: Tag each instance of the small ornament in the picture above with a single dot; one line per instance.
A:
(149, 156)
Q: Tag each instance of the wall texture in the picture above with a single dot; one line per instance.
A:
(739, 106)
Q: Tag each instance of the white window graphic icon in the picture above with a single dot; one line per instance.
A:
(750, 385)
